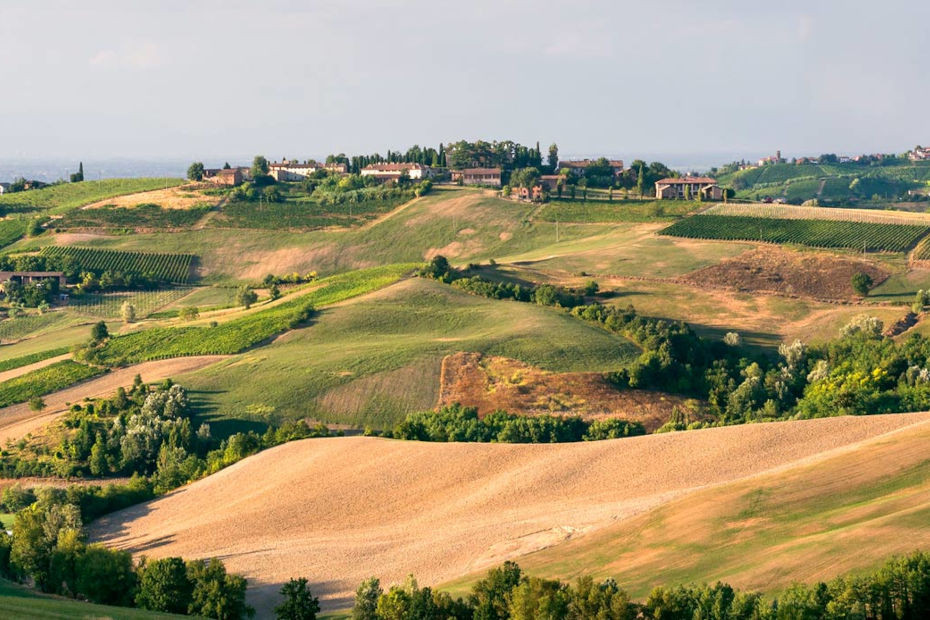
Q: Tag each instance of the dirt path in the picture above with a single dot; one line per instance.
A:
(16, 372)
(209, 215)
(339, 510)
(17, 421)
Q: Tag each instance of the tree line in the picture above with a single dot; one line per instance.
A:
(898, 590)
(458, 423)
(862, 371)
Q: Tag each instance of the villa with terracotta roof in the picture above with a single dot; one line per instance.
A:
(392, 172)
(489, 177)
(578, 166)
(704, 188)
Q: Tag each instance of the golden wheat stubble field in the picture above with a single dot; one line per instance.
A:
(342, 509)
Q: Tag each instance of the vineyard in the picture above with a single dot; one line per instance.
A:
(239, 334)
(109, 305)
(144, 216)
(22, 326)
(791, 212)
(44, 381)
(866, 236)
(174, 268)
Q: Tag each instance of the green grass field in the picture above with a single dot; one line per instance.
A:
(66, 196)
(20, 602)
(462, 224)
(242, 332)
(32, 358)
(377, 358)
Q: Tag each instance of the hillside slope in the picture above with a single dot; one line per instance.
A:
(340, 510)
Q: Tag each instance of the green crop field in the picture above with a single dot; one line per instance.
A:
(304, 214)
(816, 233)
(377, 358)
(144, 216)
(241, 333)
(66, 196)
(616, 211)
(165, 267)
(11, 230)
(44, 381)
(32, 358)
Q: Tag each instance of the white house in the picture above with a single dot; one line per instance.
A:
(4, 188)
(292, 171)
(392, 172)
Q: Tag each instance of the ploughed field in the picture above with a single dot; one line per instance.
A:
(339, 510)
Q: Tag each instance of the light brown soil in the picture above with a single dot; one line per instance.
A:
(17, 421)
(183, 197)
(499, 383)
(811, 274)
(340, 510)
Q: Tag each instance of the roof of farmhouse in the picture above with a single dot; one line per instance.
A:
(684, 180)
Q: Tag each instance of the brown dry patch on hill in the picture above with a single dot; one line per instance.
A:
(500, 383)
(809, 274)
(182, 197)
(339, 510)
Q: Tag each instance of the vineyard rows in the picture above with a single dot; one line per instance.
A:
(791, 212)
(109, 305)
(866, 236)
(166, 267)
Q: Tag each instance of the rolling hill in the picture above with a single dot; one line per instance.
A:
(339, 510)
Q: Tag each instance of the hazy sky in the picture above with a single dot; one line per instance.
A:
(229, 79)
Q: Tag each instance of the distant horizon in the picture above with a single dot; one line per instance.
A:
(51, 169)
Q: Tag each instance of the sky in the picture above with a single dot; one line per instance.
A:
(224, 80)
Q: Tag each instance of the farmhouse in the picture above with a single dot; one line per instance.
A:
(229, 176)
(392, 172)
(31, 277)
(697, 187)
(578, 166)
(4, 188)
(920, 153)
(489, 177)
(292, 170)
(551, 181)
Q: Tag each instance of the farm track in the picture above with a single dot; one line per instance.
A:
(17, 421)
(339, 510)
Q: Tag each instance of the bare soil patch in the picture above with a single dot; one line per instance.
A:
(339, 510)
(774, 270)
(498, 383)
(182, 197)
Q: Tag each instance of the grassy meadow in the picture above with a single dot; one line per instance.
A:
(374, 359)
(57, 199)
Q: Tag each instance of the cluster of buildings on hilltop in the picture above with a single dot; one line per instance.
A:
(919, 153)
(670, 188)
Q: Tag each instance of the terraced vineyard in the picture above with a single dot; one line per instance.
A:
(174, 268)
(866, 236)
